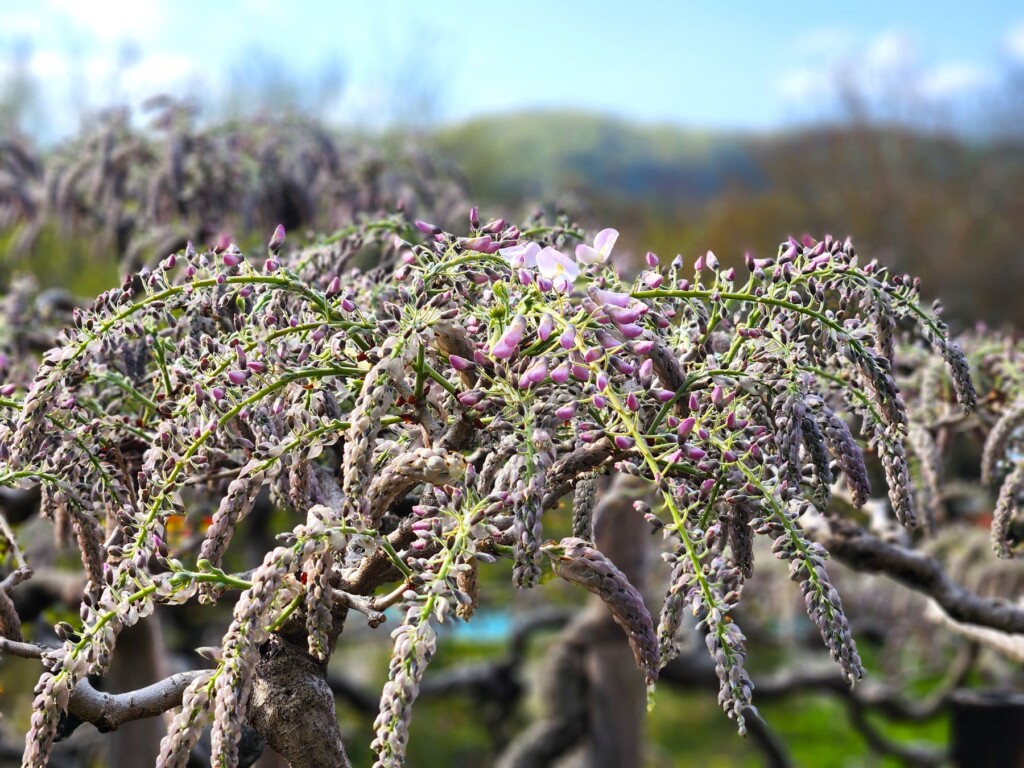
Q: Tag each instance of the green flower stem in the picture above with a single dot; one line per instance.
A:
(288, 611)
(209, 576)
(790, 527)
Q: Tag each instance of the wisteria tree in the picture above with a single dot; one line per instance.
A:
(418, 420)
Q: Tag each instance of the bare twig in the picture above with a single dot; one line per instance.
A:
(363, 604)
(565, 470)
(8, 534)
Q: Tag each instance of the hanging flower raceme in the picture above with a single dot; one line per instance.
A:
(467, 387)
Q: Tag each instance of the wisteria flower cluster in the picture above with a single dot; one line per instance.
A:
(999, 421)
(421, 418)
(129, 192)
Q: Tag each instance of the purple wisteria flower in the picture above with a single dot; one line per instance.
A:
(604, 241)
(520, 256)
(555, 265)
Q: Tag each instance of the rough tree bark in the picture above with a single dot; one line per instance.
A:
(594, 695)
(292, 706)
(617, 691)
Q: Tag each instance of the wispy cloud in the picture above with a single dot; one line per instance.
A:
(113, 21)
(878, 67)
(946, 81)
(1013, 43)
(825, 42)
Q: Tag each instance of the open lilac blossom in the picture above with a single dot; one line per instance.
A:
(553, 264)
(524, 255)
(604, 241)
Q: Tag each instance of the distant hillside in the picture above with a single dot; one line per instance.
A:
(932, 204)
(526, 154)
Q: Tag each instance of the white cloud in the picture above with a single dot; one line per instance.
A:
(803, 85)
(946, 81)
(68, 83)
(1013, 43)
(110, 21)
(891, 51)
(825, 42)
(888, 68)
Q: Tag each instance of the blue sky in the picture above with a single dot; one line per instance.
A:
(731, 65)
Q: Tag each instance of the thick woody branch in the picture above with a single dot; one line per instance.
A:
(292, 707)
(20, 649)
(109, 711)
(378, 568)
(861, 551)
(584, 459)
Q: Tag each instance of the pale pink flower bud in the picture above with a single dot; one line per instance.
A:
(547, 325)
(461, 363)
(277, 239)
(568, 337)
(652, 279)
(566, 412)
(560, 374)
